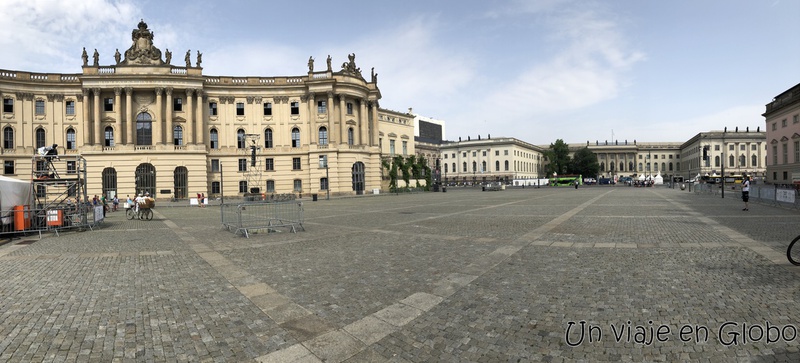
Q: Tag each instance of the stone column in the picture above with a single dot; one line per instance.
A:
(118, 118)
(330, 116)
(189, 131)
(313, 132)
(129, 118)
(342, 120)
(362, 122)
(98, 136)
(169, 114)
(200, 118)
(158, 131)
(373, 122)
(84, 138)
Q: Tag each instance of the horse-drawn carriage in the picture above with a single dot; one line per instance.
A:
(143, 211)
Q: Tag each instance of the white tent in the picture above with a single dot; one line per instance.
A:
(658, 179)
(13, 192)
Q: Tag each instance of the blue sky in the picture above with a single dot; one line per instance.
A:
(535, 70)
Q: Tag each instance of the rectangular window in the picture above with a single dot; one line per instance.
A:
(322, 107)
(242, 186)
(405, 147)
(108, 104)
(70, 139)
(39, 107)
(497, 153)
(785, 175)
(474, 154)
(505, 152)
(349, 108)
(215, 165)
(774, 154)
(212, 108)
(742, 147)
(215, 187)
(323, 161)
(298, 185)
(271, 186)
(295, 163)
(783, 123)
(795, 119)
(323, 183)
(177, 104)
(268, 109)
(8, 105)
(242, 164)
(240, 109)
(774, 126)
(70, 108)
(797, 151)
(71, 169)
(730, 147)
(785, 153)
(8, 167)
(270, 164)
(295, 106)
(391, 147)
(484, 153)
(445, 156)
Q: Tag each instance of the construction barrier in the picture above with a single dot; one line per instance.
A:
(25, 220)
(256, 216)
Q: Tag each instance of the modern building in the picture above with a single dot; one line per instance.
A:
(145, 124)
(490, 159)
(429, 134)
(782, 118)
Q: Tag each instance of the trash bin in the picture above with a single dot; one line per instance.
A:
(313, 197)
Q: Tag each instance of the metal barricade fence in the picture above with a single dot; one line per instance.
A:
(766, 194)
(247, 217)
(24, 220)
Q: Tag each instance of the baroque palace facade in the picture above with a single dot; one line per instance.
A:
(144, 124)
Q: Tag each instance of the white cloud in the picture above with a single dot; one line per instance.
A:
(43, 34)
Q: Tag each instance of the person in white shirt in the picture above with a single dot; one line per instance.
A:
(746, 192)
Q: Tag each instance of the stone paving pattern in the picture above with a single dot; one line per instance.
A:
(521, 275)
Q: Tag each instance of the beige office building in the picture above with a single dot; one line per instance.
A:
(143, 123)
(488, 159)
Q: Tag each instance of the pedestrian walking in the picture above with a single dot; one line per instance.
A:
(746, 192)
(202, 200)
(115, 202)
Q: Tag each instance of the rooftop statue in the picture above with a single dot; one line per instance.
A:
(350, 67)
(142, 51)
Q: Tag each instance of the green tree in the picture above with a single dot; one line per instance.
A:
(558, 155)
(584, 162)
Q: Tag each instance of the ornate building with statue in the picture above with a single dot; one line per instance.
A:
(144, 124)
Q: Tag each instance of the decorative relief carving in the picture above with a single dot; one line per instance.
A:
(129, 90)
(117, 91)
(258, 99)
(142, 51)
(169, 91)
(250, 100)
(304, 98)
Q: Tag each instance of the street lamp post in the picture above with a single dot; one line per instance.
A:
(327, 181)
(221, 184)
(723, 161)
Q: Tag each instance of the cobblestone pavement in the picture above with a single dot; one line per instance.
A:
(521, 275)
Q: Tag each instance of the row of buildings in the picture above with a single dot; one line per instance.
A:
(143, 124)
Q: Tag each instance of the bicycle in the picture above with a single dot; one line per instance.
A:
(793, 252)
(143, 214)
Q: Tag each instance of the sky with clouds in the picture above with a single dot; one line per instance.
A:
(537, 70)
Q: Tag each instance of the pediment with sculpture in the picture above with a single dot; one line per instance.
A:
(142, 51)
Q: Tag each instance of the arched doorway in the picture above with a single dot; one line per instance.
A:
(180, 181)
(109, 182)
(358, 177)
(146, 179)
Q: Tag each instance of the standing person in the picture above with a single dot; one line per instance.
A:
(576, 183)
(746, 192)
(115, 201)
(199, 201)
(202, 200)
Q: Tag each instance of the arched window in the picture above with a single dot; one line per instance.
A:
(268, 139)
(663, 166)
(716, 161)
(177, 136)
(730, 161)
(180, 177)
(71, 145)
(641, 167)
(742, 161)
(109, 181)
(753, 161)
(144, 129)
(630, 166)
(323, 135)
(464, 167)
(483, 166)
(506, 165)
(602, 166)
(295, 137)
(109, 137)
(445, 168)
(40, 137)
(350, 136)
(214, 138)
(145, 178)
(670, 166)
(474, 166)
(497, 165)
(240, 139)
